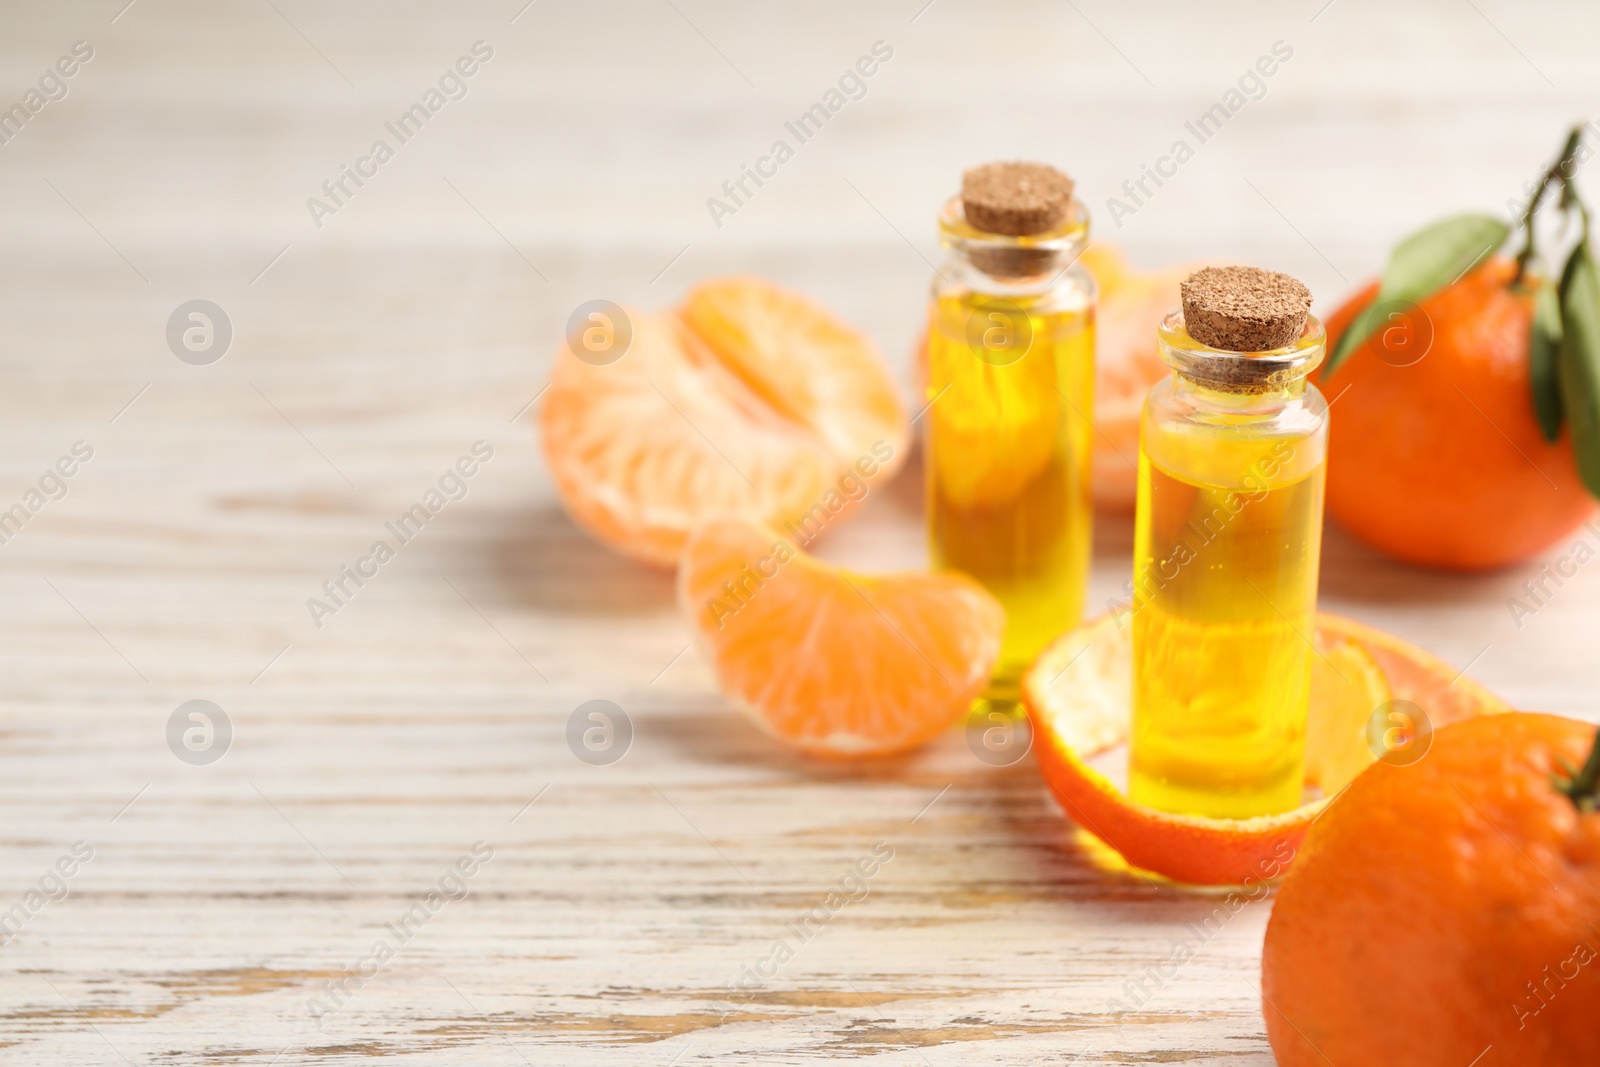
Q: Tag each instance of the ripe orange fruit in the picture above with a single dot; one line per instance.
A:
(1079, 698)
(748, 400)
(1445, 913)
(1435, 455)
(1130, 306)
(832, 662)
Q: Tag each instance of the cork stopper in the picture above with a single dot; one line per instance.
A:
(1015, 199)
(1244, 309)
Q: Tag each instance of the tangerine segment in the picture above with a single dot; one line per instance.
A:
(832, 662)
(807, 366)
(1349, 684)
(1079, 699)
(783, 414)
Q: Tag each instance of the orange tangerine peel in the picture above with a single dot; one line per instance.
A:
(1079, 698)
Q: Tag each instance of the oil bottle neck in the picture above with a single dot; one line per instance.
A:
(1000, 261)
(1240, 381)
(1265, 401)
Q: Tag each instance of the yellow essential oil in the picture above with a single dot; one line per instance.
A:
(1010, 383)
(1227, 540)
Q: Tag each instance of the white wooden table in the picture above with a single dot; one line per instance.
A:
(368, 755)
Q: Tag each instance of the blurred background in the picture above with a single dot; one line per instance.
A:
(181, 162)
(197, 133)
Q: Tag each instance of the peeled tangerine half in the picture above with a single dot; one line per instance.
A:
(832, 662)
(746, 400)
(1364, 683)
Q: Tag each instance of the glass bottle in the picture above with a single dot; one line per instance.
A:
(1228, 534)
(1010, 384)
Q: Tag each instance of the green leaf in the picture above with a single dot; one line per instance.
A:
(1578, 362)
(1544, 346)
(1420, 266)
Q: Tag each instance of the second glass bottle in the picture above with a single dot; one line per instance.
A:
(1232, 458)
(1010, 393)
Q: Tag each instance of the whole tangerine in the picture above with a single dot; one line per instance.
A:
(1447, 912)
(1435, 455)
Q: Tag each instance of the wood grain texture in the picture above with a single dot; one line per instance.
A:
(368, 755)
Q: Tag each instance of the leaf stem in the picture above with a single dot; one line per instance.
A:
(1560, 172)
(1583, 786)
